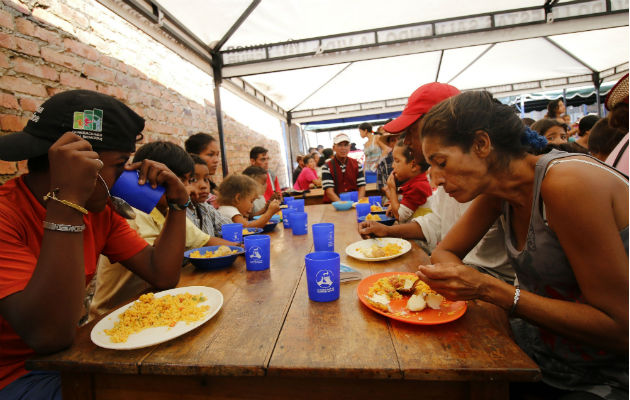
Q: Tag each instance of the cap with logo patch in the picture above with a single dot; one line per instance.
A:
(98, 118)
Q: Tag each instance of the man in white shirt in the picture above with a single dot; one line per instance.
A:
(489, 254)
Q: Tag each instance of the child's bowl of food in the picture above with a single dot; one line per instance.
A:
(271, 225)
(251, 231)
(213, 257)
(342, 205)
(382, 218)
(376, 209)
(274, 218)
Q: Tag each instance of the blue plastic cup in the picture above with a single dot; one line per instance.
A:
(286, 222)
(298, 204)
(232, 232)
(299, 223)
(142, 197)
(354, 195)
(363, 209)
(324, 237)
(322, 275)
(257, 252)
(288, 200)
(345, 196)
(374, 200)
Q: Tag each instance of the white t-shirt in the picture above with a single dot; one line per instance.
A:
(229, 211)
(489, 253)
(259, 204)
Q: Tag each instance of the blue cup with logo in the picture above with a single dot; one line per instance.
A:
(345, 196)
(232, 232)
(285, 217)
(257, 252)
(299, 223)
(142, 197)
(363, 209)
(374, 200)
(298, 204)
(324, 236)
(322, 275)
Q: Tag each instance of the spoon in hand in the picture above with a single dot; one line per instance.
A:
(120, 206)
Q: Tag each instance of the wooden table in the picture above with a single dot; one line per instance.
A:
(269, 341)
(316, 196)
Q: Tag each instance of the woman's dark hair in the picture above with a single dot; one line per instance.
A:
(457, 119)
(365, 126)
(543, 125)
(198, 142)
(552, 108)
(169, 154)
(528, 121)
(197, 160)
(236, 184)
(604, 138)
(307, 158)
(618, 117)
(326, 154)
(586, 123)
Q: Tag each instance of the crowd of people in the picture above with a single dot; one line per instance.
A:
(528, 216)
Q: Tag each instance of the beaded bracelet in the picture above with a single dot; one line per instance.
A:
(53, 195)
(517, 295)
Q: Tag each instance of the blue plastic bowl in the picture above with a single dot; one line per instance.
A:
(270, 226)
(385, 220)
(216, 262)
(252, 231)
(275, 218)
(342, 205)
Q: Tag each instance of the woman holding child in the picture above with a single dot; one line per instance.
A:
(571, 263)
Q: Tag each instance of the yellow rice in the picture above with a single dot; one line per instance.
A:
(150, 311)
(220, 252)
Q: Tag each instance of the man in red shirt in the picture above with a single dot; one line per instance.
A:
(259, 156)
(57, 219)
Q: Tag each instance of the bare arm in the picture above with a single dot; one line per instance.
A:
(410, 230)
(361, 192)
(330, 193)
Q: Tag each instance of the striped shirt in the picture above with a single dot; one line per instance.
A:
(207, 218)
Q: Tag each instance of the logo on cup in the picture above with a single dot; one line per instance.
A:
(323, 278)
(254, 255)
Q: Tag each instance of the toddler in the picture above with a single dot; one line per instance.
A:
(236, 197)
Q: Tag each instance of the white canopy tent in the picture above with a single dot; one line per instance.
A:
(318, 60)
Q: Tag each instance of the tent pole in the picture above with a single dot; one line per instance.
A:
(217, 63)
(290, 163)
(597, 83)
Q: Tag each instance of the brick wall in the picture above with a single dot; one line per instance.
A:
(49, 46)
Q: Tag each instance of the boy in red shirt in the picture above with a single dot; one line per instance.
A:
(57, 219)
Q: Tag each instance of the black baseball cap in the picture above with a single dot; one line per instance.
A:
(98, 118)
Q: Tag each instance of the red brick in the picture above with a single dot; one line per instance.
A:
(25, 26)
(12, 123)
(22, 166)
(7, 41)
(22, 85)
(4, 61)
(109, 62)
(54, 90)
(18, 5)
(8, 167)
(114, 91)
(74, 17)
(6, 19)
(27, 46)
(76, 82)
(98, 73)
(64, 60)
(25, 66)
(8, 101)
(30, 104)
(81, 49)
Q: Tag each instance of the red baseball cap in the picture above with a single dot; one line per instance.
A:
(419, 103)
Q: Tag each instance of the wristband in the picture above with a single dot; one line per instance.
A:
(51, 226)
(179, 207)
(52, 195)
(517, 295)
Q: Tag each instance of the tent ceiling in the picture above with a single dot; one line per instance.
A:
(323, 59)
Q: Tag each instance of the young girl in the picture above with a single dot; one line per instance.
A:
(236, 197)
(416, 189)
(551, 129)
(206, 147)
(258, 174)
(308, 177)
(202, 214)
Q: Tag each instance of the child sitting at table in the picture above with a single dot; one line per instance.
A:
(236, 197)
(415, 190)
(258, 174)
(201, 213)
(115, 284)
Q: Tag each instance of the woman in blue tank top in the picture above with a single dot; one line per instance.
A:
(566, 222)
